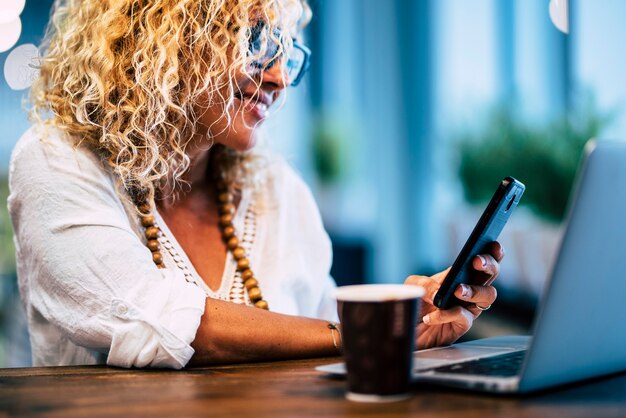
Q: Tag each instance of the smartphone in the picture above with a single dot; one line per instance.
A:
(486, 231)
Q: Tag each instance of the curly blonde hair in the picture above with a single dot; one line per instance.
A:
(124, 77)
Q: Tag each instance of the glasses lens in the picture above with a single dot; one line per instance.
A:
(298, 63)
(265, 48)
(294, 64)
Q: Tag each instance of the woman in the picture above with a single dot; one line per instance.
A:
(145, 228)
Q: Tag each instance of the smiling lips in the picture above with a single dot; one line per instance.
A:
(255, 103)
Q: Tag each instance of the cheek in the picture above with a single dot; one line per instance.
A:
(214, 120)
(234, 129)
(210, 120)
(207, 115)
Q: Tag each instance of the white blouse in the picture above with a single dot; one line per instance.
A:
(87, 280)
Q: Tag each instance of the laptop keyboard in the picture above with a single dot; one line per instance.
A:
(504, 365)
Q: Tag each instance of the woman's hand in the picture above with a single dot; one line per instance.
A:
(441, 327)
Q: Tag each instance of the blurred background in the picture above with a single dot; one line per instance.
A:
(412, 113)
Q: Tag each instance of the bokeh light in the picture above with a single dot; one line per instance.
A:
(21, 66)
(559, 14)
(10, 10)
(9, 34)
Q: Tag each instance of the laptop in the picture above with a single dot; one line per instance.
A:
(580, 328)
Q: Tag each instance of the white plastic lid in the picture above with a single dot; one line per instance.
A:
(378, 292)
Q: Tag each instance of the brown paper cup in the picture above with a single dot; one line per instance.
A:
(378, 324)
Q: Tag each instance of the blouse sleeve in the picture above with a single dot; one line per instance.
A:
(86, 271)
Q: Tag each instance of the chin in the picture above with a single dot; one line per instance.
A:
(243, 142)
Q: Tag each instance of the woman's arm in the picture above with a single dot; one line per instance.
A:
(231, 333)
(237, 333)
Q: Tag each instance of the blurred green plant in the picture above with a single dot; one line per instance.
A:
(328, 147)
(544, 157)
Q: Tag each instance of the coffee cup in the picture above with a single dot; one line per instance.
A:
(378, 325)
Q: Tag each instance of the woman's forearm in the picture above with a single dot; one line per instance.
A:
(230, 333)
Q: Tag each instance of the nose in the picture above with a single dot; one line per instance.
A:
(276, 78)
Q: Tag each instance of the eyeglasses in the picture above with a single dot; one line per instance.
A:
(296, 63)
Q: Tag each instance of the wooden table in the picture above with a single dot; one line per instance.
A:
(280, 389)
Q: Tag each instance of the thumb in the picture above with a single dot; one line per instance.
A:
(458, 315)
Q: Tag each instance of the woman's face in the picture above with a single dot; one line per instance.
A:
(250, 107)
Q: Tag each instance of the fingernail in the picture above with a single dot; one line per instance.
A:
(426, 319)
(465, 290)
(483, 262)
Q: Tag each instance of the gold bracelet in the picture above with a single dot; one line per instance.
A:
(334, 326)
